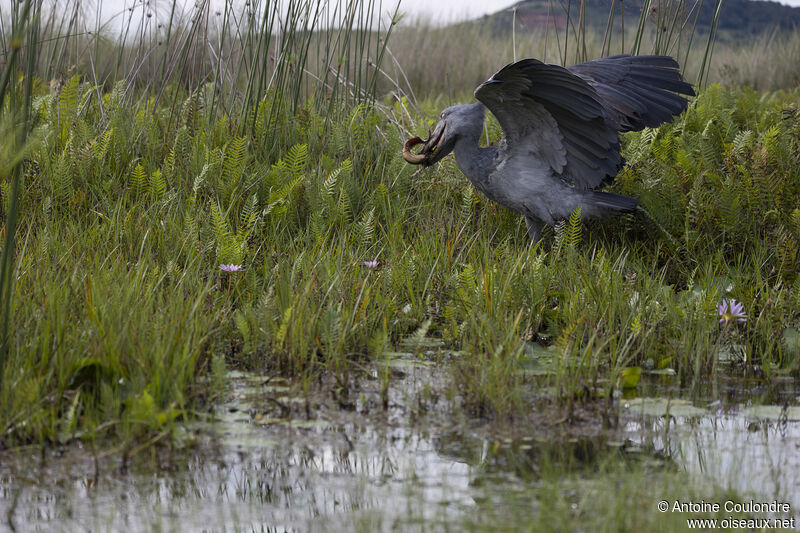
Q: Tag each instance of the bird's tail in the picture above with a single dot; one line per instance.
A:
(609, 201)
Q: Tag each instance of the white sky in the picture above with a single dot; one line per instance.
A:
(447, 9)
(439, 9)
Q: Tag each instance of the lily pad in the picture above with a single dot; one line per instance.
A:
(630, 377)
(662, 372)
(663, 406)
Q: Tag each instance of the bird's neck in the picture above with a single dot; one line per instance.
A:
(475, 162)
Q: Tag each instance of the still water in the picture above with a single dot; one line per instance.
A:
(418, 465)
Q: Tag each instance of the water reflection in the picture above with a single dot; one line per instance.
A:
(369, 470)
(735, 448)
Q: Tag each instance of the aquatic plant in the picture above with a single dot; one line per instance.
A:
(731, 310)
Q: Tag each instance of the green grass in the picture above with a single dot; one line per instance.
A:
(130, 197)
(119, 304)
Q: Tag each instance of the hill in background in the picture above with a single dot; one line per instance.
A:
(738, 17)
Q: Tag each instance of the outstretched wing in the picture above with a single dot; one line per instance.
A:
(636, 91)
(569, 117)
(549, 114)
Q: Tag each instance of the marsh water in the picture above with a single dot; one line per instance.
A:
(417, 464)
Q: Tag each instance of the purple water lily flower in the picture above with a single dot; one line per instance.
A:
(731, 310)
(230, 268)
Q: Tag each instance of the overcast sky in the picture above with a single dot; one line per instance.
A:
(439, 9)
(457, 8)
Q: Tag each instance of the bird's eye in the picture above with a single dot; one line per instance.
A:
(442, 116)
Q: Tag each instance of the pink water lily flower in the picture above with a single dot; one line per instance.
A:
(731, 310)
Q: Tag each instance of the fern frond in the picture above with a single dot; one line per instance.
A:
(297, 159)
(365, 229)
(233, 164)
(467, 201)
(742, 142)
(559, 230)
(317, 225)
(573, 231)
(771, 139)
(261, 120)
(686, 163)
(278, 202)
(192, 109)
(248, 217)
(68, 99)
(230, 247)
(100, 147)
(218, 222)
(709, 153)
(730, 209)
(138, 180)
(467, 279)
(118, 93)
(344, 207)
(62, 179)
(329, 185)
(795, 223)
(156, 185)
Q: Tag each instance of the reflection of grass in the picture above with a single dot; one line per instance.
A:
(614, 498)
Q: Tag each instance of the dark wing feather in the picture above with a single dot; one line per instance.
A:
(636, 91)
(549, 113)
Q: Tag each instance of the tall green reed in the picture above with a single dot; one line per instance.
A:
(15, 104)
(297, 50)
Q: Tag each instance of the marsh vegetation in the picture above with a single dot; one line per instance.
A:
(135, 165)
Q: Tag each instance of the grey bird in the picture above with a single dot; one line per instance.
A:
(561, 133)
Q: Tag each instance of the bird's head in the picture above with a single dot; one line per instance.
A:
(454, 122)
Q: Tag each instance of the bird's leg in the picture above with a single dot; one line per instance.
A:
(534, 228)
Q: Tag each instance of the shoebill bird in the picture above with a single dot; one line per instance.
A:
(561, 133)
